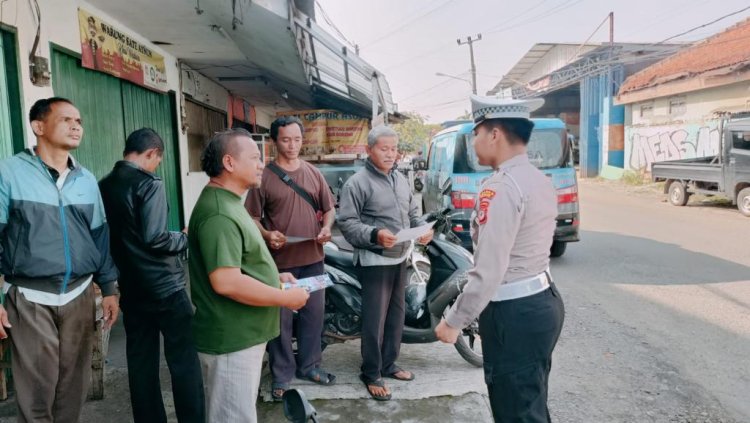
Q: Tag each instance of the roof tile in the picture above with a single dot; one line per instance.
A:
(728, 48)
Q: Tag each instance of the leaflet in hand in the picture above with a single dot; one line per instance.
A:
(311, 284)
(413, 233)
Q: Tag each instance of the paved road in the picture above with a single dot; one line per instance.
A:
(657, 329)
(658, 301)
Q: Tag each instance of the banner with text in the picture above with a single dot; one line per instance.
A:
(331, 132)
(107, 49)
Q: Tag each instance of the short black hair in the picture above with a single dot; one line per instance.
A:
(221, 144)
(41, 108)
(283, 121)
(141, 140)
(517, 130)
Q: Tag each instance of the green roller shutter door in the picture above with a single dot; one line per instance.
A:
(144, 108)
(6, 147)
(99, 99)
(111, 109)
(11, 112)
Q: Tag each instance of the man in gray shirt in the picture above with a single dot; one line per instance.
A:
(376, 203)
(510, 284)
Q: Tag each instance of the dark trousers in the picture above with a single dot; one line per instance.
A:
(170, 317)
(383, 311)
(309, 331)
(518, 337)
(51, 348)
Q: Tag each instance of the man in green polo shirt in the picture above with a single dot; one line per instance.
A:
(234, 282)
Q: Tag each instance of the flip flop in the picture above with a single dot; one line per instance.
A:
(378, 383)
(404, 379)
(277, 386)
(319, 376)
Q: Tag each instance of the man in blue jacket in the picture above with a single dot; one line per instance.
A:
(54, 242)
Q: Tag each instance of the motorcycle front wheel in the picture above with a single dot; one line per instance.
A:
(469, 343)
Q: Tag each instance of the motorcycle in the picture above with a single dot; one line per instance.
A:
(418, 184)
(428, 295)
(297, 409)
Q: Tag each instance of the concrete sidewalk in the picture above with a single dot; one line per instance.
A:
(446, 388)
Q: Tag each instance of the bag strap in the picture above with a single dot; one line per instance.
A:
(296, 188)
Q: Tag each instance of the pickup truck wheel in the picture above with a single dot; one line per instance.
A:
(558, 248)
(678, 195)
(743, 201)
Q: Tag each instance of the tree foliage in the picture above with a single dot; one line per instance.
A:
(414, 133)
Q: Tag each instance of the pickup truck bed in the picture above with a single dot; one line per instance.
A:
(705, 169)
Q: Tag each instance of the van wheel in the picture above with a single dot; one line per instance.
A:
(558, 248)
(678, 195)
(743, 201)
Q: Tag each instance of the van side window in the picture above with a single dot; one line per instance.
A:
(461, 163)
(741, 140)
(431, 155)
(442, 153)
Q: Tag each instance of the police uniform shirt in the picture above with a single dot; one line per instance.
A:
(512, 229)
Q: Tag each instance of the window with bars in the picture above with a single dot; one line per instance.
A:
(677, 106)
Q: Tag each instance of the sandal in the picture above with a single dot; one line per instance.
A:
(401, 378)
(377, 383)
(319, 376)
(277, 390)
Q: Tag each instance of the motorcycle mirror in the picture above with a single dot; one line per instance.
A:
(447, 187)
(296, 407)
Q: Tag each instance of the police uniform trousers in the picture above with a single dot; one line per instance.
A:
(518, 337)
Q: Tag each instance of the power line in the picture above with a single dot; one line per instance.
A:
(511, 19)
(444, 104)
(421, 56)
(329, 21)
(580, 47)
(403, 25)
(663, 17)
(442, 48)
(441, 83)
(626, 57)
(704, 25)
(545, 14)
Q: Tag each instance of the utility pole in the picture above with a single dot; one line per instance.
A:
(470, 41)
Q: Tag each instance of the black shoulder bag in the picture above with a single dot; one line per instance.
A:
(297, 189)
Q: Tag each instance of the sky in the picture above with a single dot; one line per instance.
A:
(412, 40)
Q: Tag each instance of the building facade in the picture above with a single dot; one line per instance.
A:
(675, 107)
(186, 69)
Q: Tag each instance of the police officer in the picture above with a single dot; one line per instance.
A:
(510, 285)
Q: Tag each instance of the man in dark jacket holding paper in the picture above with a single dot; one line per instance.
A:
(152, 280)
(376, 203)
(294, 201)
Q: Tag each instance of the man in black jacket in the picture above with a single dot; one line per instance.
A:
(152, 283)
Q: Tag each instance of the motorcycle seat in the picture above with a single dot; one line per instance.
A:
(342, 260)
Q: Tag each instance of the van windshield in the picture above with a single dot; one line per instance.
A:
(546, 150)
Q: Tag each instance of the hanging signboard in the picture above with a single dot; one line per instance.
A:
(328, 132)
(110, 50)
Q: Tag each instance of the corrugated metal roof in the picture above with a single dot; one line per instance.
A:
(725, 51)
(518, 73)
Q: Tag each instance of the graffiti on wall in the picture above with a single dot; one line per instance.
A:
(656, 144)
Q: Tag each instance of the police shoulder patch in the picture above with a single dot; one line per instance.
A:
(487, 194)
(485, 197)
(483, 212)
